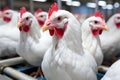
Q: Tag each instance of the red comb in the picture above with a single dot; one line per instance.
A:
(53, 8)
(5, 8)
(98, 14)
(38, 11)
(22, 11)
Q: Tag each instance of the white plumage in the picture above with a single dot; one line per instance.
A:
(113, 72)
(91, 42)
(9, 34)
(66, 59)
(33, 43)
(110, 40)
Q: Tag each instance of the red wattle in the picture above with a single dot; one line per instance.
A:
(96, 32)
(59, 32)
(6, 19)
(51, 32)
(118, 25)
(41, 23)
(26, 28)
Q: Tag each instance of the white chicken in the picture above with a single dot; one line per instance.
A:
(91, 29)
(9, 34)
(110, 41)
(33, 42)
(66, 59)
(41, 16)
(113, 72)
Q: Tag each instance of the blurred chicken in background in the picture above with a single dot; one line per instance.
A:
(41, 16)
(110, 40)
(9, 33)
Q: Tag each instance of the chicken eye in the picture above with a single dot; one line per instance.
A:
(27, 18)
(59, 18)
(7, 13)
(41, 16)
(96, 22)
(118, 17)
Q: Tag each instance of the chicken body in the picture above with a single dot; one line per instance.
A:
(91, 41)
(113, 72)
(110, 41)
(66, 59)
(9, 35)
(34, 43)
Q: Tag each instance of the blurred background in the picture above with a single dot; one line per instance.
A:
(81, 8)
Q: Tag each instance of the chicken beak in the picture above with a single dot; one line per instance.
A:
(45, 28)
(105, 28)
(19, 24)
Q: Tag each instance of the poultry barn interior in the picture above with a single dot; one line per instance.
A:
(39, 39)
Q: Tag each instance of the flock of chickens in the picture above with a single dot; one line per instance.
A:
(63, 47)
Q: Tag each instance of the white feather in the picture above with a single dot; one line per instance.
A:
(113, 72)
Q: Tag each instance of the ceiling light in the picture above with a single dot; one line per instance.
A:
(75, 3)
(104, 7)
(116, 5)
(65, 0)
(69, 3)
(109, 6)
(102, 3)
(40, 0)
(91, 5)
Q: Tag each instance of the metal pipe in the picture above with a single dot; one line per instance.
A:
(16, 74)
(59, 4)
(96, 1)
(31, 4)
(103, 68)
(12, 61)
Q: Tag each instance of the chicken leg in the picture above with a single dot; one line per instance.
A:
(38, 73)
